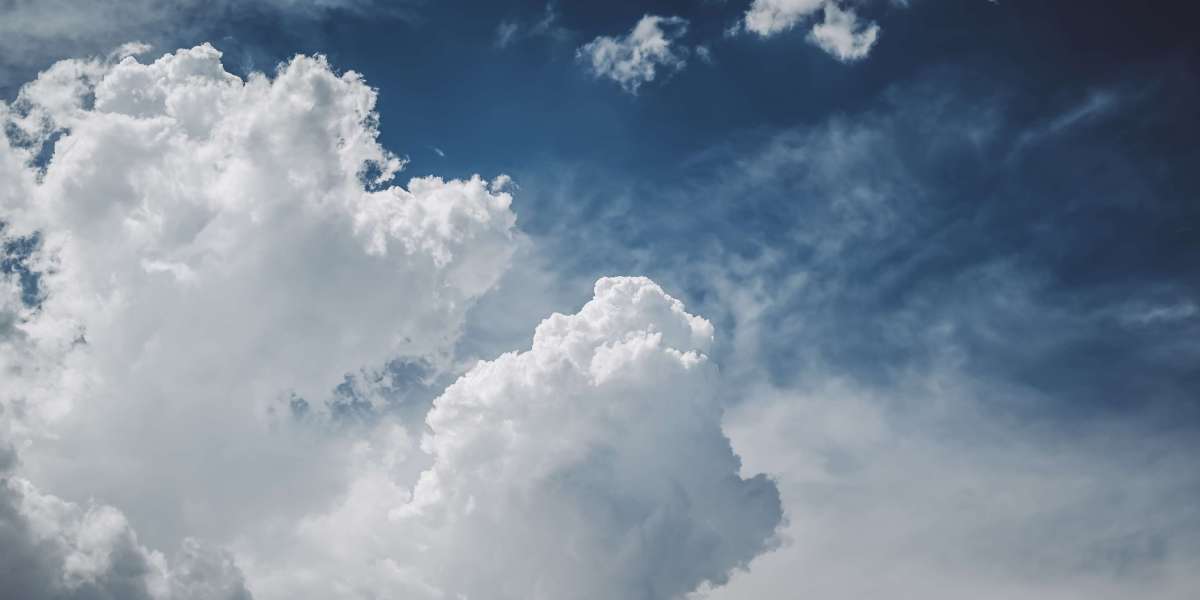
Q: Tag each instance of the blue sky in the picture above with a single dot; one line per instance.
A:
(949, 251)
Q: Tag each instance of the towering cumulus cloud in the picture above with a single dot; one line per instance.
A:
(592, 466)
(213, 251)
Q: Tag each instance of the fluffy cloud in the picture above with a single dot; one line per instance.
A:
(548, 26)
(635, 58)
(841, 33)
(591, 466)
(770, 17)
(212, 252)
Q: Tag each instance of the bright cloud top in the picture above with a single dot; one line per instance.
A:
(841, 33)
(592, 466)
(637, 57)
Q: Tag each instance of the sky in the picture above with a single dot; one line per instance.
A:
(690, 300)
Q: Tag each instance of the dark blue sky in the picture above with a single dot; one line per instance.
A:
(1034, 160)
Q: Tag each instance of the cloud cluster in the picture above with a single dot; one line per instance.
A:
(637, 57)
(843, 35)
(591, 466)
(922, 486)
(212, 252)
(209, 256)
(841, 32)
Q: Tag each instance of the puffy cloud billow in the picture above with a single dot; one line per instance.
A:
(637, 57)
(211, 251)
(591, 466)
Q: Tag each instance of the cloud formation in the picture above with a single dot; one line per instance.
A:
(213, 253)
(840, 33)
(509, 32)
(940, 408)
(637, 57)
(50, 548)
(770, 17)
(34, 33)
(591, 466)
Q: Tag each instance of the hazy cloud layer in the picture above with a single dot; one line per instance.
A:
(953, 300)
(214, 255)
(50, 548)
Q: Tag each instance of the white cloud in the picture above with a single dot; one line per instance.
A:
(770, 17)
(841, 33)
(212, 248)
(591, 466)
(636, 58)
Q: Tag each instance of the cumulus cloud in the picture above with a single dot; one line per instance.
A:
(942, 414)
(591, 466)
(841, 33)
(213, 251)
(210, 256)
(638, 56)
